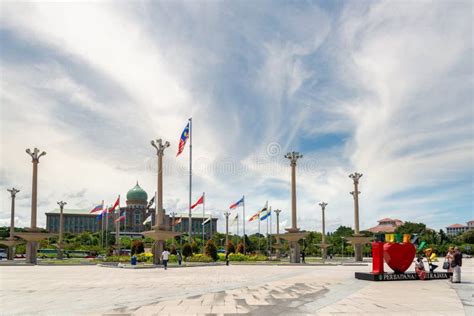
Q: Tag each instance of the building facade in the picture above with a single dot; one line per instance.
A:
(136, 211)
(456, 229)
(75, 221)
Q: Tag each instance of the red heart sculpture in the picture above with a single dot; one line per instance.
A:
(399, 257)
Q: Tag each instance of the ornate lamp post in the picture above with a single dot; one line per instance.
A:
(11, 242)
(61, 229)
(277, 246)
(160, 148)
(35, 156)
(293, 234)
(358, 240)
(160, 232)
(323, 244)
(293, 157)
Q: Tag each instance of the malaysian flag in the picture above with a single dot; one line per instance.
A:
(183, 139)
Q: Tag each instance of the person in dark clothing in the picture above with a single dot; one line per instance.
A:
(303, 255)
(456, 265)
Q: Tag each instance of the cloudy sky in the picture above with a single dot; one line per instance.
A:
(382, 88)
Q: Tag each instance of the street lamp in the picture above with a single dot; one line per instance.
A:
(323, 240)
(61, 229)
(293, 157)
(357, 245)
(342, 247)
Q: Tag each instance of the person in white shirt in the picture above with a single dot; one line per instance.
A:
(165, 257)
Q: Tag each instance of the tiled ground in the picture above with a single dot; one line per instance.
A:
(218, 290)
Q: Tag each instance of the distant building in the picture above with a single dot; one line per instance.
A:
(456, 229)
(386, 225)
(75, 221)
(136, 212)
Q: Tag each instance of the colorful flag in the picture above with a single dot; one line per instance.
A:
(200, 201)
(121, 218)
(117, 203)
(176, 221)
(183, 139)
(266, 215)
(98, 208)
(257, 215)
(147, 220)
(104, 211)
(237, 204)
(207, 220)
(152, 200)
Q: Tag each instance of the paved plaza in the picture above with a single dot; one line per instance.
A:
(218, 290)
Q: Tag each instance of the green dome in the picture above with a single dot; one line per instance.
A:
(137, 194)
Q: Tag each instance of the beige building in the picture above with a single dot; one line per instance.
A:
(456, 229)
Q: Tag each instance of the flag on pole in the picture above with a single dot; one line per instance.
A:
(176, 221)
(200, 201)
(257, 215)
(104, 211)
(121, 218)
(117, 203)
(183, 139)
(152, 200)
(98, 208)
(147, 220)
(237, 204)
(206, 221)
(235, 219)
(266, 215)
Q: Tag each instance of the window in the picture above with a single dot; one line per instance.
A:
(137, 218)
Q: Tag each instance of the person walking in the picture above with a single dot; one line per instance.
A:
(165, 257)
(449, 259)
(179, 257)
(456, 264)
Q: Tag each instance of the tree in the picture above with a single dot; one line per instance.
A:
(187, 250)
(467, 237)
(211, 250)
(230, 247)
(411, 228)
(137, 247)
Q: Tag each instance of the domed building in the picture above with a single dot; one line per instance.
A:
(136, 210)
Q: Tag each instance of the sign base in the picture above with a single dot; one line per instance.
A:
(401, 276)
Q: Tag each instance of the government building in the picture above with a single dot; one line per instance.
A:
(136, 211)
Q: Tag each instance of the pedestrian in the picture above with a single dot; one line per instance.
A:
(179, 257)
(448, 260)
(303, 255)
(456, 264)
(164, 257)
(420, 268)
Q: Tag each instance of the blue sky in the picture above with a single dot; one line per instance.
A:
(383, 88)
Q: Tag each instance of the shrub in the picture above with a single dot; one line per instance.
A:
(187, 250)
(237, 257)
(137, 247)
(195, 247)
(230, 247)
(240, 248)
(117, 259)
(198, 257)
(145, 257)
(211, 250)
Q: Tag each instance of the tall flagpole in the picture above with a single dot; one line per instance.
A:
(258, 233)
(237, 224)
(243, 223)
(267, 230)
(190, 174)
(203, 214)
(106, 226)
(270, 237)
